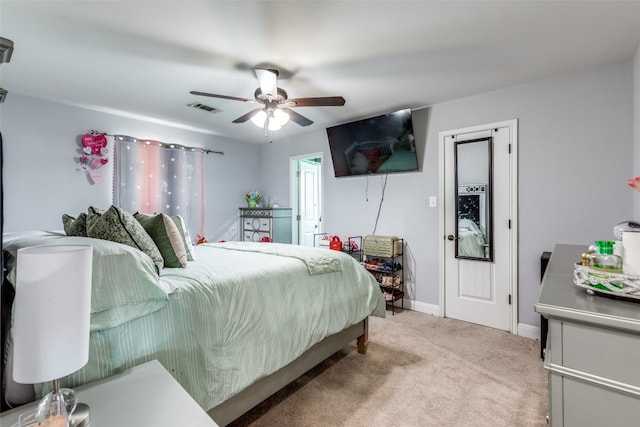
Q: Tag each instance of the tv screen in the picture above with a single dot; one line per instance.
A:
(377, 145)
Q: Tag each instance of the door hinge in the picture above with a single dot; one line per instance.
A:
(298, 172)
(509, 148)
(509, 224)
(509, 299)
(298, 218)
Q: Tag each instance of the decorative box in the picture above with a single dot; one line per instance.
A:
(382, 246)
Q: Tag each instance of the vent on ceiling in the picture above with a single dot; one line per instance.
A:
(6, 49)
(200, 106)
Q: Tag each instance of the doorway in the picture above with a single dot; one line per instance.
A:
(479, 286)
(306, 197)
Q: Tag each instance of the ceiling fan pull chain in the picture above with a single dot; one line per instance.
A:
(266, 126)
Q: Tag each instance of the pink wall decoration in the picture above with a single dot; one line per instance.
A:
(93, 154)
(96, 177)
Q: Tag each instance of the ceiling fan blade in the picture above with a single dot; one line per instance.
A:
(213, 95)
(296, 117)
(247, 116)
(267, 80)
(325, 101)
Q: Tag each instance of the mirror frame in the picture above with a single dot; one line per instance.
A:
(489, 251)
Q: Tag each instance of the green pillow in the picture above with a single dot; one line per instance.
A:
(75, 226)
(118, 225)
(164, 232)
(186, 238)
(91, 210)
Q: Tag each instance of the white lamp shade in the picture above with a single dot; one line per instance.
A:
(277, 118)
(281, 117)
(51, 312)
(259, 118)
(273, 123)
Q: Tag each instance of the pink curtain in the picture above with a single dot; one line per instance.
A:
(152, 177)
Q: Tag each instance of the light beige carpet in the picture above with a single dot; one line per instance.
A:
(420, 370)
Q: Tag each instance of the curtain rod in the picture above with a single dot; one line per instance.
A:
(162, 144)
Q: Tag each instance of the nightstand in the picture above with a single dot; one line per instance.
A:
(145, 395)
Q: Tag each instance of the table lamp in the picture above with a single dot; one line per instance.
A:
(51, 320)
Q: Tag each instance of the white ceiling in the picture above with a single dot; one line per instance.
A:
(141, 58)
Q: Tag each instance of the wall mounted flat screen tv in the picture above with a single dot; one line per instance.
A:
(377, 145)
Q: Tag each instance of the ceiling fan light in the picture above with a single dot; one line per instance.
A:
(267, 80)
(272, 122)
(274, 125)
(259, 118)
(280, 117)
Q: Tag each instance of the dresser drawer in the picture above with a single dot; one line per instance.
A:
(255, 236)
(262, 224)
(606, 353)
(587, 404)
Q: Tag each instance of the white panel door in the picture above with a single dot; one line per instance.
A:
(480, 291)
(309, 201)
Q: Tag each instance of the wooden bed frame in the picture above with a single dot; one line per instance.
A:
(240, 403)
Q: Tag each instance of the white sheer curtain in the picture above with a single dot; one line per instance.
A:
(154, 177)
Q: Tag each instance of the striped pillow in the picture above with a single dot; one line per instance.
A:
(186, 237)
(167, 237)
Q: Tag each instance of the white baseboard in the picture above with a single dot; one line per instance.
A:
(529, 331)
(422, 307)
(524, 330)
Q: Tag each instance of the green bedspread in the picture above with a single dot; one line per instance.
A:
(232, 317)
(317, 262)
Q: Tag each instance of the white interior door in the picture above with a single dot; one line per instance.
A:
(306, 196)
(480, 291)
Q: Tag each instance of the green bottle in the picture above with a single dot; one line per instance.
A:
(605, 259)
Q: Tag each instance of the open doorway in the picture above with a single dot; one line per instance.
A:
(306, 197)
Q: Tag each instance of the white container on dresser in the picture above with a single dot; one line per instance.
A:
(592, 352)
(273, 223)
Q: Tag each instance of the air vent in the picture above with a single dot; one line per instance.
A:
(6, 49)
(200, 106)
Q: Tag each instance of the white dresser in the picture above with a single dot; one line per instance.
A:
(273, 223)
(592, 352)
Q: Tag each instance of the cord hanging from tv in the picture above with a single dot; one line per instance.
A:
(376, 145)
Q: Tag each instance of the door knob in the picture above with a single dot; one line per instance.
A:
(451, 237)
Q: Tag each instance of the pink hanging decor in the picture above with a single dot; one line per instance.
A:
(93, 155)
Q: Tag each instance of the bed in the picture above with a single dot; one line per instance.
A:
(239, 322)
(471, 241)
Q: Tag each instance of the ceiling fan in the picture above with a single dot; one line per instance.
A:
(276, 110)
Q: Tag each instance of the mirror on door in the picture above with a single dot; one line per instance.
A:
(474, 212)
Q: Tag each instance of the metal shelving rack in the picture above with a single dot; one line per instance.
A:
(390, 275)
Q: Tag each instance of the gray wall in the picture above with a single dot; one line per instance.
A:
(575, 155)
(43, 179)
